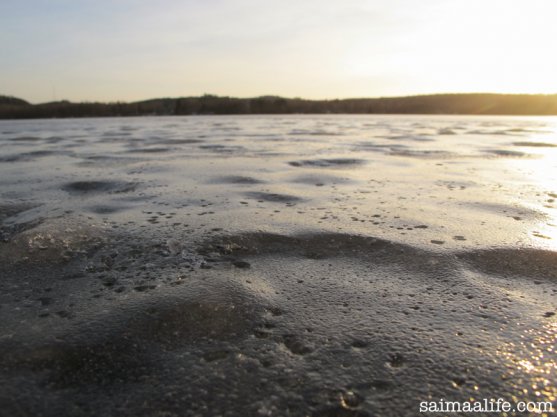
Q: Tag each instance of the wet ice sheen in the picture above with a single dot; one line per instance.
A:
(275, 265)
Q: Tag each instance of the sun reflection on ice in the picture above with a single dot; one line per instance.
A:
(533, 364)
(540, 174)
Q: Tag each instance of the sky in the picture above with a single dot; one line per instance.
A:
(109, 50)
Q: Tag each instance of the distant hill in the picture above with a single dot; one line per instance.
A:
(477, 103)
(12, 101)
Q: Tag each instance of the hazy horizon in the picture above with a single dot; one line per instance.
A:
(160, 97)
(136, 50)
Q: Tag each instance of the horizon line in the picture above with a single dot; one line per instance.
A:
(285, 97)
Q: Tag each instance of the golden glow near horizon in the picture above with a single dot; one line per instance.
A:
(130, 50)
(474, 46)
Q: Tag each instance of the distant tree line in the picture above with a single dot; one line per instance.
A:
(486, 104)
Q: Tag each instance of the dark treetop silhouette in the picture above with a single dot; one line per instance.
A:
(477, 103)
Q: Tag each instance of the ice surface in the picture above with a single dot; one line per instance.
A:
(276, 265)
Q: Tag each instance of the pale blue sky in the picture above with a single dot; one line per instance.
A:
(137, 49)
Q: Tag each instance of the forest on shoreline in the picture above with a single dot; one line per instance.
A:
(472, 104)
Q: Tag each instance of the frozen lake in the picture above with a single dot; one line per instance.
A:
(276, 265)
